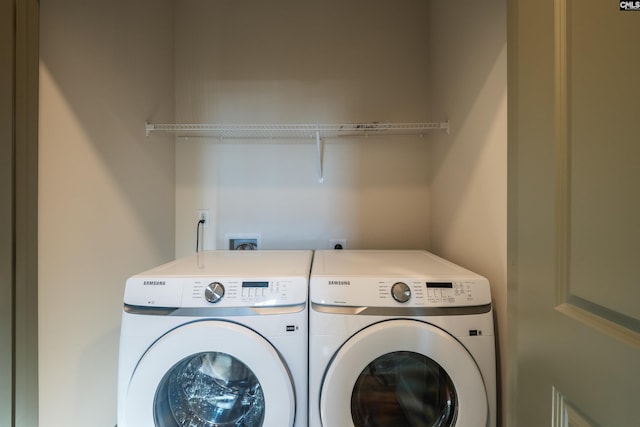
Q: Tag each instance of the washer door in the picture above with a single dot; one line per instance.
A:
(403, 373)
(211, 373)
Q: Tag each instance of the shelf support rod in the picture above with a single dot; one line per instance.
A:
(320, 147)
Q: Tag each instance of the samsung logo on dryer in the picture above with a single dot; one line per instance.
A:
(154, 283)
(339, 283)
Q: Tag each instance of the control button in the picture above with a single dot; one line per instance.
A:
(214, 292)
(401, 292)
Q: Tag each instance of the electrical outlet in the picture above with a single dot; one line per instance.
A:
(203, 215)
(338, 244)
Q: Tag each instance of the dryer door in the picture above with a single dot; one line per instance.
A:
(211, 373)
(403, 373)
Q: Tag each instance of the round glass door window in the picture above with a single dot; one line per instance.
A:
(210, 389)
(403, 389)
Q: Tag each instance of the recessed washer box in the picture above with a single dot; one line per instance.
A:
(242, 241)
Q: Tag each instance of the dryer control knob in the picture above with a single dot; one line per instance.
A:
(401, 292)
(214, 292)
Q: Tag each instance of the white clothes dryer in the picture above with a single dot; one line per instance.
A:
(399, 339)
(220, 339)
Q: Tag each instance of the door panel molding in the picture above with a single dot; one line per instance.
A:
(562, 136)
(565, 414)
(600, 323)
(590, 312)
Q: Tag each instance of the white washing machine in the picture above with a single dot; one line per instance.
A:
(399, 338)
(219, 339)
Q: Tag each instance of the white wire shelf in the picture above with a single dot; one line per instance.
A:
(295, 131)
(316, 133)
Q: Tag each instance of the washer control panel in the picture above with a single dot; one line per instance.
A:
(216, 292)
(393, 292)
(242, 293)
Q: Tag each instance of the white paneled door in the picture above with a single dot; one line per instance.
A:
(574, 213)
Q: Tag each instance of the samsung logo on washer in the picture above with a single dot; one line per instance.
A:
(339, 283)
(154, 283)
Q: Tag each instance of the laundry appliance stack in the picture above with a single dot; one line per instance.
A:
(336, 338)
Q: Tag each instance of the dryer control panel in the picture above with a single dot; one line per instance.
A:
(393, 278)
(394, 292)
(226, 292)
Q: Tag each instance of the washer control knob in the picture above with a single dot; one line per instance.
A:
(401, 292)
(214, 292)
